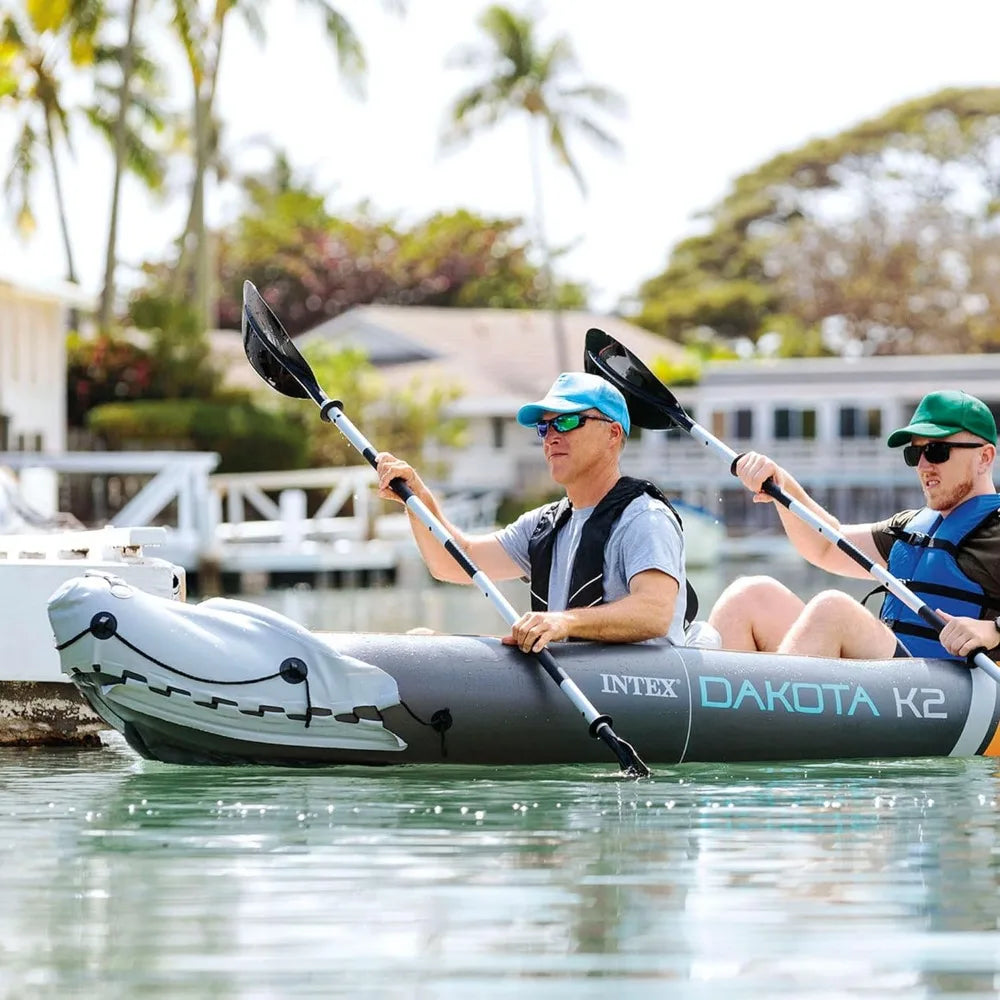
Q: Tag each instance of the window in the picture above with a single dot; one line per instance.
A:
(497, 431)
(743, 424)
(794, 424)
(732, 423)
(857, 422)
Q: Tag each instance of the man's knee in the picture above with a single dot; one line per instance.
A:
(752, 590)
(834, 605)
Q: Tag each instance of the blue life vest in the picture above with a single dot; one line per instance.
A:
(924, 557)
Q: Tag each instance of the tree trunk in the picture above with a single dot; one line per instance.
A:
(548, 281)
(195, 237)
(110, 262)
(60, 202)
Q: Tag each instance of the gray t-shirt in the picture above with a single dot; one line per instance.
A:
(646, 536)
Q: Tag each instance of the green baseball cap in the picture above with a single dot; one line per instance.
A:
(941, 414)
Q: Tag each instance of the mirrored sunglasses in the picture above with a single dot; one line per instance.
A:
(566, 422)
(935, 452)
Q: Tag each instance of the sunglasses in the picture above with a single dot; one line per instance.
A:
(566, 422)
(935, 452)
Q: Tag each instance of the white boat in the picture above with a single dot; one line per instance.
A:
(37, 705)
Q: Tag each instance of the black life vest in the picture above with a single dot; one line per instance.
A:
(586, 582)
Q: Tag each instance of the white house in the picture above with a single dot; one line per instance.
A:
(825, 419)
(33, 323)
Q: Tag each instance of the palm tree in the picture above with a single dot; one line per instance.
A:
(201, 40)
(32, 70)
(522, 76)
(127, 112)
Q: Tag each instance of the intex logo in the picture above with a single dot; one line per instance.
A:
(646, 687)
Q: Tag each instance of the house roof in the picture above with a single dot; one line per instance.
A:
(500, 357)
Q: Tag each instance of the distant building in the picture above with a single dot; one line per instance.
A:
(33, 323)
(825, 419)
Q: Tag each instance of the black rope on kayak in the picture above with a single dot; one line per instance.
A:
(104, 625)
(441, 722)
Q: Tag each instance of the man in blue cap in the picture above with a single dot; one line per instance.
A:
(606, 562)
(948, 552)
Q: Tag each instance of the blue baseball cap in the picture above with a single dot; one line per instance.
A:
(576, 391)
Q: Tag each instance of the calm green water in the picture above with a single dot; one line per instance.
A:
(124, 878)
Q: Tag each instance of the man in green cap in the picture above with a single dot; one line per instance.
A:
(948, 552)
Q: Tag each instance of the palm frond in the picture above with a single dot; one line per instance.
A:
(252, 19)
(598, 135)
(519, 75)
(350, 52)
(557, 140)
(558, 59)
(186, 21)
(18, 182)
(601, 97)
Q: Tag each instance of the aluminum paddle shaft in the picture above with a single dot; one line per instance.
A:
(277, 360)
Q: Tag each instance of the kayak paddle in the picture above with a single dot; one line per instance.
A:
(277, 360)
(651, 404)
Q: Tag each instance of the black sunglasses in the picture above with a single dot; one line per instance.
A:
(935, 452)
(566, 422)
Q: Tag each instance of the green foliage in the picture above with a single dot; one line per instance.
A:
(729, 308)
(402, 420)
(879, 239)
(170, 364)
(103, 370)
(683, 372)
(178, 348)
(314, 266)
(246, 437)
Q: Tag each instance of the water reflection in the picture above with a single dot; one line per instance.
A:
(130, 877)
(799, 880)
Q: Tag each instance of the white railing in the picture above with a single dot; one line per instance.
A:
(178, 479)
(246, 510)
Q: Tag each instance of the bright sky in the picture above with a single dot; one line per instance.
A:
(714, 88)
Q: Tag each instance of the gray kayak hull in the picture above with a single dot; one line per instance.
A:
(227, 682)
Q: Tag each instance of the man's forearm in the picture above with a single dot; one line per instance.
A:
(808, 542)
(439, 562)
(631, 619)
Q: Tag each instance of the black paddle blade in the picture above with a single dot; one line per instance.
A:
(271, 352)
(650, 403)
(632, 765)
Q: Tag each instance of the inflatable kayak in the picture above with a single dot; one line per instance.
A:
(228, 682)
